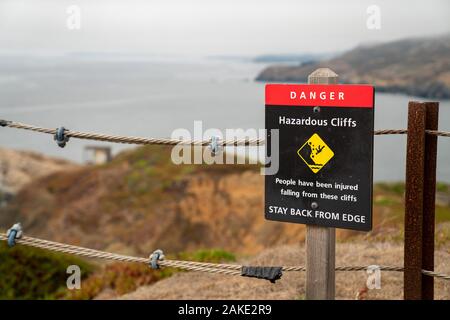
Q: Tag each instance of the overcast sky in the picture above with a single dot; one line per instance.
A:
(211, 27)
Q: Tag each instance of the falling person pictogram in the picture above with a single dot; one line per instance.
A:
(315, 153)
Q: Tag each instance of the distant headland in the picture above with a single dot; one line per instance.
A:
(418, 67)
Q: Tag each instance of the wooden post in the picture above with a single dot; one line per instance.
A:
(415, 164)
(429, 199)
(320, 241)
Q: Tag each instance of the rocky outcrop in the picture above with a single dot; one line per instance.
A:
(18, 168)
(141, 201)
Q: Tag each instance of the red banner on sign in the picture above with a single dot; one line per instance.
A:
(341, 95)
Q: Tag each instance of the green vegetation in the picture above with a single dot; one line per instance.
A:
(212, 255)
(383, 201)
(395, 187)
(442, 187)
(391, 196)
(442, 214)
(389, 213)
(30, 273)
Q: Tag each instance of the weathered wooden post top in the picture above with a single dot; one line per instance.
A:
(323, 76)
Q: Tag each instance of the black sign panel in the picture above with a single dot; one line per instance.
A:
(325, 157)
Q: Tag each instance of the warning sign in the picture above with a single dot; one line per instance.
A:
(315, 153)
(324, 146)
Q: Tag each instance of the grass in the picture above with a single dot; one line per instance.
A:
(442, 187)
(392, 195)
(442, 214)
(30, 273)
(397, 188)
(210, 255)
(389, 214)
(384, 201)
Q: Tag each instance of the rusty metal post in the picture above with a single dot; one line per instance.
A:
(415, 163)
(429, 199)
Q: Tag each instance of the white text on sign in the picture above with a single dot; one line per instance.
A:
(318, 214)
(312, 95)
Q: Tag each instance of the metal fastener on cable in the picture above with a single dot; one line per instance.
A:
(15, 232)
(155, 257)
(60, 137)
(215, 145)
(4, 123)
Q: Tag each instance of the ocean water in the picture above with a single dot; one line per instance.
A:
(151, 97)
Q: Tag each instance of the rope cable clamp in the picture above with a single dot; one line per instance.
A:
(4, 123)
(155, 257)
(15, 232)
(214, 145)
(60, 137)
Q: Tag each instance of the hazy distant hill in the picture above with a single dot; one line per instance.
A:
(418, 67)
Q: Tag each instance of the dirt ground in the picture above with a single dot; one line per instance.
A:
(349, 285)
